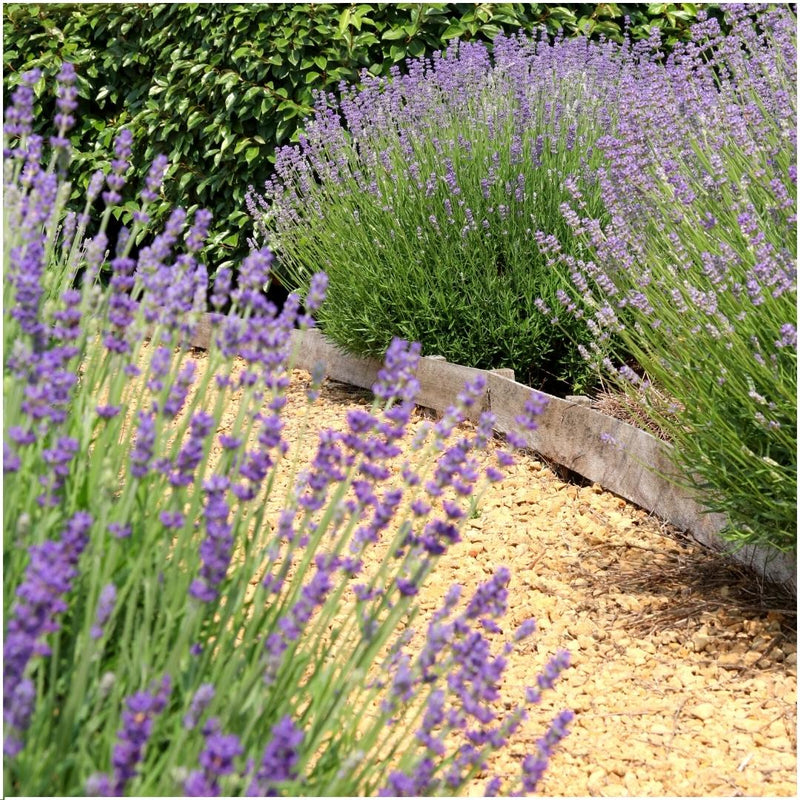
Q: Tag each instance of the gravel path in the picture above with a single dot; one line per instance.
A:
(683, 682)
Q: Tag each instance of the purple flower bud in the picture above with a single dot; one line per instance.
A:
(19, 115)
(172, 520)
(525, 630)
(95, 185)
(216, 549)
(119, 530)
(67, 102)
(316, 291)
(222, 288)
(406, 587)
(142, 452)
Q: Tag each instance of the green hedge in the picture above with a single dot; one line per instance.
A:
(217, 87)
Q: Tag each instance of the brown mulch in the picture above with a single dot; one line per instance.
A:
(684, 675)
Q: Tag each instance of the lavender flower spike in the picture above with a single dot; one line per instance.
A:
(216, 760)
(119, 166)
(217, 547)
(137, 727)
(202, 697)
(67, 102)
(48, 579)
(534, 766)
(19, 115)
(279, 762)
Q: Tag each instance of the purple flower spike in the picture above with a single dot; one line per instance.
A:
(279, 762)
(406, 587)
(180, 389)
(199, 231)
(788, 336)
(172, 520)
(19, 115)
(534, 765)
(525, 630)
(58, 458)
(222, 288)
(216, 761)
(397, 380)
(67, 102)
(48, 579)
(119, 166)
(99, 785)
(217, 547)
(191, 454)
(402, 785)
(546, 680)
(108, 412)
(11, 461)
(202, 697)
(253, 277)
(155, 178)
(490, 598)
(316, 291)
(493, 787)
(142, 452)
(312, 596)
(137, 727)
(120, 531)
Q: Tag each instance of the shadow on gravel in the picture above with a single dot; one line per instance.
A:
(718, 605)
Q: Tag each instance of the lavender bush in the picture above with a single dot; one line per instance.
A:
(166, 633)
(420, 196)
(695, 270)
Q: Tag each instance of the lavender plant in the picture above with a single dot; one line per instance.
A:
(420, 195)
(695, 271)
(176, 623)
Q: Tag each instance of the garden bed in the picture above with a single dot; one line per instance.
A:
(684, 672)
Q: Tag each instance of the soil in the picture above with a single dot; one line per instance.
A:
(684, 668)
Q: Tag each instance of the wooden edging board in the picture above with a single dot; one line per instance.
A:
(619, 457)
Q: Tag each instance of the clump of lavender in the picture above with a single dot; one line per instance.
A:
(420, 194)
(167, 626)
(694, 270)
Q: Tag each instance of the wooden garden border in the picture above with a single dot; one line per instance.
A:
(631, 464)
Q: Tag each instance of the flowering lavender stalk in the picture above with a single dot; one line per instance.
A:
(216, 761)
(137, 727)
(534, 766)
(216, 548)
(279, 761)
(48, 579)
